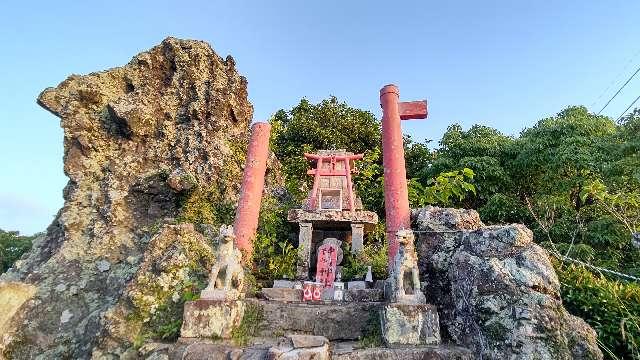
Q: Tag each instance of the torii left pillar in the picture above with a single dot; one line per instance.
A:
(396, 194)
(246, 221)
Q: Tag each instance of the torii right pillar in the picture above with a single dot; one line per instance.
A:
(396, 195)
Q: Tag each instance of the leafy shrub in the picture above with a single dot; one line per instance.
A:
(446, 189)
(250, 324)
(274, 256)
(374, 254)
(611, 307)
(502, 209)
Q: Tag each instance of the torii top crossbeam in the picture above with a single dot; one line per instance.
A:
(333, 170)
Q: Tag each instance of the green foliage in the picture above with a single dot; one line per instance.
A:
(274, 256)
(445, 190)
(12, 246)
(625, 207)
(502, 209)
(552, 179)
(206, 206)
(374, 254)
(328, 125)
(249, 326)
(354, 266)
(369, 181)
(166, 320)
(372, 333)
(612, 308)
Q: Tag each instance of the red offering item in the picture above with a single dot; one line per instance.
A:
(317, 291)
(307, 291)
(326, 266)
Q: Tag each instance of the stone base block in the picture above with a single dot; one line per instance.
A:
(364, 295)
(439, 352)
(404, 324)
(220, 294)
(288, 284)
(333, 320)
(211, 318)
(282, 294)
(300, 347)
(356, 285)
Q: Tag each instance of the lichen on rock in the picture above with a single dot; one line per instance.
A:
(178, 109)
(495, 289)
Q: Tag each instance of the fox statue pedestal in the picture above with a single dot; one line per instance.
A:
(220, 308)
(211, 318)
(407, 319)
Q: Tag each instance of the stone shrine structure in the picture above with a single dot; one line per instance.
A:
(331, 215)
(332, 210)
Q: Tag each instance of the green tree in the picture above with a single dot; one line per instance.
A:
(12, 246)
(328, 125)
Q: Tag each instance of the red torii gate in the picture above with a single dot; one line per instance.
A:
(396, 194)
(318, 171)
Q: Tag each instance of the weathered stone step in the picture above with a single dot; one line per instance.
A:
(432, 352)
(206, 349)
(335, 321)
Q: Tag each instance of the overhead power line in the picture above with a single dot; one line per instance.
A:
(617, 78)
(627, 109)
(618, 92)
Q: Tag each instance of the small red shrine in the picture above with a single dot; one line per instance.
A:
(332, 212)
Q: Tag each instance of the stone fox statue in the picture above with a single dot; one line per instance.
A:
(404, 281)
(227, 275)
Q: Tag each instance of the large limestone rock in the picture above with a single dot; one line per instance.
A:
(136, 139)
(495, 289)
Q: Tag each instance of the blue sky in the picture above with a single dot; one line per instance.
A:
(504, 64)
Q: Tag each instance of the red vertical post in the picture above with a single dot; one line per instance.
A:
(246, 221)
(313, 201)
(347, 168)
(396, 195)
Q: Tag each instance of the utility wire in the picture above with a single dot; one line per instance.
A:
(618, 92)
(627, 109)
(553, 252)
(593, 267)
(617, 78)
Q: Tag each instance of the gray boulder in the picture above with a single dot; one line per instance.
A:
(496, 291)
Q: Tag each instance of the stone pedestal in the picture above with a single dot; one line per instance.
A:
(300, 347)
(304, 250)
(404, 324)
(333, 320)
(357, 237)
(211, 318)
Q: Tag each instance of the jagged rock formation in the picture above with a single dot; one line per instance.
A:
(496, 290)
(137, 138)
